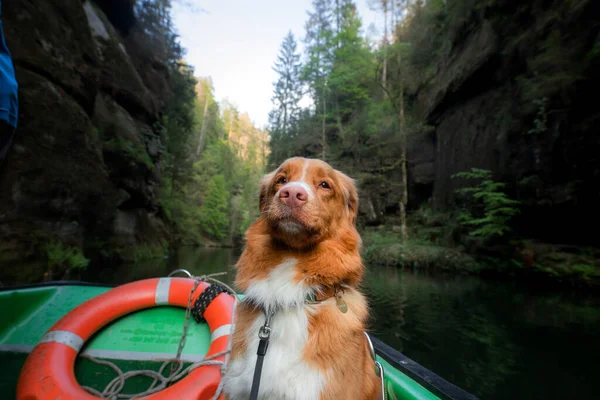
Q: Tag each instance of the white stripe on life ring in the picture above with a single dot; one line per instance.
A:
(223, 330)
(161, 297)
(65, 337)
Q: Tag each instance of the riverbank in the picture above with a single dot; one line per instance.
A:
(567, 266)
(433, 246)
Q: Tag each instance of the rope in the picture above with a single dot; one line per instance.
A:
(205, 299)
(115, 387)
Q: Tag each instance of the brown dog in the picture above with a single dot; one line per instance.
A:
(302, 264)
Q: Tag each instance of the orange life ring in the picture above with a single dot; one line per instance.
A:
(49, 373)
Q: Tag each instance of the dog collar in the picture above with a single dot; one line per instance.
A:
(336, 291)
(313, 297)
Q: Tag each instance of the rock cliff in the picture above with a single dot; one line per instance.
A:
(85, 164)
(514, 94)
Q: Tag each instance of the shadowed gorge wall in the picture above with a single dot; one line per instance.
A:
(509, 64)
(85, 164)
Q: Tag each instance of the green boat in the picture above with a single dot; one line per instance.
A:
(143, 339)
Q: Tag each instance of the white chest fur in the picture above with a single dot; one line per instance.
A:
(284, 375)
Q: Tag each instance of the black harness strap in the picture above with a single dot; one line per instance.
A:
(204, 300)
(262, 350)
(264, 334)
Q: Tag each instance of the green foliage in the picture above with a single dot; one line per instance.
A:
(287, 92)
(183, 213)
(61, 255)
(579, 267)
(133, 150)
(495, 206)
(352, 68)
(428, 226)
(375, 241)
(553, 71)
(154, 19)
(587, 271)
(247, 217)
(225, 168)
(199, 176)
(318, 47)
(427, 33)
(213, 213)
(351, 121)
(338, 70)
(593, 55)
(179, 125)
(385, 248)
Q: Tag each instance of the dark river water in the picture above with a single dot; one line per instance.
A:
(496, 340)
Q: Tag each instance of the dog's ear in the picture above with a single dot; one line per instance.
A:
(265, 183)
(350, 194)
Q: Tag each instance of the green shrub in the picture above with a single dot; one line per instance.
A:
(386, 248)
(135, 151)
(428, 226)
(493, 205)
(63, 256)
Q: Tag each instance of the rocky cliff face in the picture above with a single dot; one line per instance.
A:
(509, 64)
(84, 167)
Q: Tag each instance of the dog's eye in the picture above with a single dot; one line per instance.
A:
(281, 180)
(325, 185)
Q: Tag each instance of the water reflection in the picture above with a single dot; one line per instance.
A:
(202, 261)
(197, 260)
(496, 340)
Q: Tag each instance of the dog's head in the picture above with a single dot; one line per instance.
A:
(306, 201)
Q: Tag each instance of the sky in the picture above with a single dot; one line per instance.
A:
(235, 42)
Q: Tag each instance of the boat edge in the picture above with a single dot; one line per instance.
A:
(419, 373)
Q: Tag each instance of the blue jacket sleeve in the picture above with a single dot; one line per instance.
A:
(8, 83)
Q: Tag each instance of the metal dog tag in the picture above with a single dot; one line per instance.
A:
(341, 304)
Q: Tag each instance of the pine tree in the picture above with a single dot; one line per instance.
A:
(387, 7)
(287, 93)
(319, 52)
(351, 70)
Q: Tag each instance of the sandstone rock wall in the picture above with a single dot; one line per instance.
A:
(506, 56)
(85, 164)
